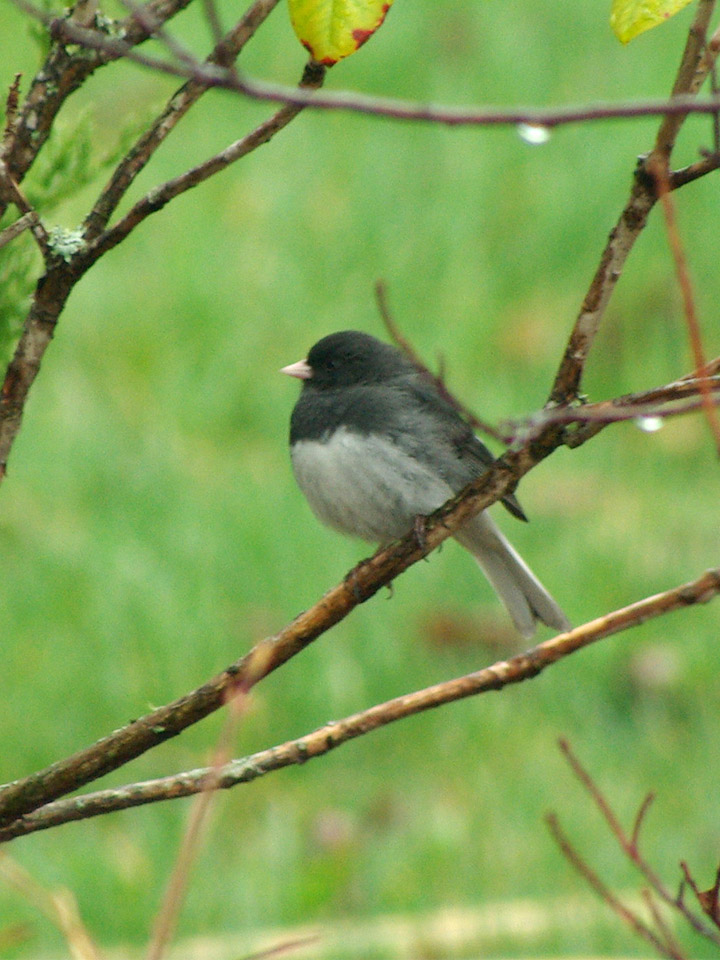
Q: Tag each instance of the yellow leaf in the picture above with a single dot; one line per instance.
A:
(333, 29)
(628, 18)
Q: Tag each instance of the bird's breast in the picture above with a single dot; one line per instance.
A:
(365, 485)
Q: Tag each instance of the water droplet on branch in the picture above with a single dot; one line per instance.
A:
(648, 424)
(533, 134)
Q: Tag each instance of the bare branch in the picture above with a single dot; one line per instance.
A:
(361, 583)
(517, 669)
(391, 108)
(437, 380)
(10, 192)
(659, 170)
(685, 175)
(695, 64)
(620, 242)
(156, 199)
(668, 938)
(640, 819)
(224, 54)
(673, 399)
(629, 845)
(15, 229)
(605, 893)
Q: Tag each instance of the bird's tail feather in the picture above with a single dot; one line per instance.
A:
(526, 599)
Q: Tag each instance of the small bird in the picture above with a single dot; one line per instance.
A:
(374, 446)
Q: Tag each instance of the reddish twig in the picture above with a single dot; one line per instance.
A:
(662, 183)
(313, 77)
(437, 380)
(696, 62)
(640, 819)
(637, 925)
(629, 845)
(665, 934)
(169, 911)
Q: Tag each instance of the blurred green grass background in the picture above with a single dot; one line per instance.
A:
(151, 531)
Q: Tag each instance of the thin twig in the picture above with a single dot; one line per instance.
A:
(640, 819)
(604, 892)
(154, 27)
(15, 229)
(694, 66)
(136, 159)
(212, 17)
(517, 669)
(437, 380)
(158, 197)
(391, 108)
(672, 945)
(629, 848)
(660, 173)
(701, 168)
(11, 192)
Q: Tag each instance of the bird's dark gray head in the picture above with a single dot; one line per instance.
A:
(351, 357)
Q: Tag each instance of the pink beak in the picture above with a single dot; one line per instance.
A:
(302, 370)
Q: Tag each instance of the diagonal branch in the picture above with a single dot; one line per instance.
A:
(362, 582)
(224, 54)
(10, 192)
(629, 844)
(606, 894)
(517, 669)
(156, 199)
(695, 65)
(369, 576)
(62, 73)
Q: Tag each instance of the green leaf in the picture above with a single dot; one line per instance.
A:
(628, 18)
(333, 29)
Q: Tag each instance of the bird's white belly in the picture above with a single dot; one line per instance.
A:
(366, 486)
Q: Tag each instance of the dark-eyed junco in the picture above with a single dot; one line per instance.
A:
(374, 446)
